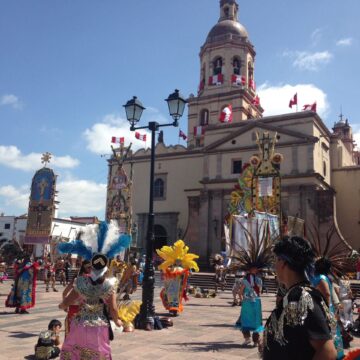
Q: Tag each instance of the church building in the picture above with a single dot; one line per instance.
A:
(319, 173)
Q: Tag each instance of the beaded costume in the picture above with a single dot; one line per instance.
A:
(90, 329)
(176, 267)
(22, 294)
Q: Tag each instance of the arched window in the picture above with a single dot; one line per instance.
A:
(217, 65)
(236, 66)
(204, 117)
(159, 188)
(226, 12)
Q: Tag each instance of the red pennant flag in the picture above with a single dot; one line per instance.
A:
(256, 100)
(182, 135)
(252, 84)
(199, 131)
(226, 115)
(216, 79)
(140, 137)
(293, 101)
(311, 107)
(119, 140)
(238, 79)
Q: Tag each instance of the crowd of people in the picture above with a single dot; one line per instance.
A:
(314, 308)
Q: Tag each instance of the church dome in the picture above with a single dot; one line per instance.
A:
(226, 27)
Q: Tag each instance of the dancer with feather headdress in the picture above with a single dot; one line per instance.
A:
(253, 260)
(220, 271)
(90, 330)
(333, 260)
(176, 268)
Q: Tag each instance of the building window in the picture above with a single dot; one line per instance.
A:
(324, 168)
(160, 187)
(7, 226)
(236, 66)
(217, 66)
(236, 166)
(204, 117)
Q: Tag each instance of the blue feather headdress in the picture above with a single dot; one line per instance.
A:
(103, 238)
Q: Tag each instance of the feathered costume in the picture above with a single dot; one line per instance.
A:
(22, 295)
(220, 271)
(176, 267)
(257, 257)
(90, 330)
(337, 256)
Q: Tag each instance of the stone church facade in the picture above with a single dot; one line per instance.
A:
(193, 183)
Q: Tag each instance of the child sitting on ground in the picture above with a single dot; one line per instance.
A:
(48, 345)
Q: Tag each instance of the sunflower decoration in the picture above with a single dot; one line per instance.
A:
(177, 255)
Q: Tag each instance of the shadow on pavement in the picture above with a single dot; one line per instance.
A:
(7, 313)
(209, 346)
(209, 305)
(22, 335)
(218, 325)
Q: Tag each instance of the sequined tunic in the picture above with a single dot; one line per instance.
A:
(300, 317)
(91, 312)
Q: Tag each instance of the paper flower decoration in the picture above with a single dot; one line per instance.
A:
(177, 255)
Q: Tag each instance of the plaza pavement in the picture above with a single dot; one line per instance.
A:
(203, 331)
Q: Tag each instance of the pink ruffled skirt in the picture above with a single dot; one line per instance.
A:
(86, 342)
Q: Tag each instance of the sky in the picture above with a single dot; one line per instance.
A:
(68, 66)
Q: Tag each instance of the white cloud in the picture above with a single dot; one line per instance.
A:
(77, 197)
(10, 100)
(316, 36)
(345, 42)
(305, 60)
(98, 137)
(356, 135)
(11, 156)
(15, 198)
(81, 197)
(275, 99)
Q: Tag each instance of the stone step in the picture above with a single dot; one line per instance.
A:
(206, 280)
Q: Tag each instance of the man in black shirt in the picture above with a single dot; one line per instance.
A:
(298, 328)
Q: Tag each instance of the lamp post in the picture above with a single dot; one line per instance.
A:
(134, 109)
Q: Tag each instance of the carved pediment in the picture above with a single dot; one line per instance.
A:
(245, 136)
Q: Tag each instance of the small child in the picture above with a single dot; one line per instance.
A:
(48, 345)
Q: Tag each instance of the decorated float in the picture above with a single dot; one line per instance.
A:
(176, 267)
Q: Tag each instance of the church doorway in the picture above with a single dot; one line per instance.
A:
(159, 242)
(160, 237)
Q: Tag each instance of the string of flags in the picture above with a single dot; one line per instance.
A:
(121, 140)
(182, 135)
(118, 140)
(294, 101)
(139, 136)
(226, 115)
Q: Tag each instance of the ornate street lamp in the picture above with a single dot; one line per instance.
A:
(134, 109)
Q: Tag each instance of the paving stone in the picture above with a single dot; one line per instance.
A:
(203, 331)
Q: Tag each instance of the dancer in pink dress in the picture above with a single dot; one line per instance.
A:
(90, 330)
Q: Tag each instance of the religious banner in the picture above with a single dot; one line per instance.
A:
(118, 200)
(41, 207)
(265, 186)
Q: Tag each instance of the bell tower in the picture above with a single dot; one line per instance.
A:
(226, 77)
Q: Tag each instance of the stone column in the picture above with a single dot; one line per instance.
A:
(215, 221)
(203, 224)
